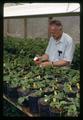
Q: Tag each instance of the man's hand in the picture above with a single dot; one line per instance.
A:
(45, 64)
(37, 60)
(44, 58)
(40, 59)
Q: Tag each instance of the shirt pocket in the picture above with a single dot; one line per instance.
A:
(60, 53)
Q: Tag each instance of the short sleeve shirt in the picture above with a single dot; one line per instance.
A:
(62, 49)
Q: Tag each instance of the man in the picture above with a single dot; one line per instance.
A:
(60, 49)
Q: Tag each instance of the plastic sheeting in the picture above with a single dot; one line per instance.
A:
(30, 9)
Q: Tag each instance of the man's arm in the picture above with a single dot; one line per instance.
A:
(60, 63)
(56, 64)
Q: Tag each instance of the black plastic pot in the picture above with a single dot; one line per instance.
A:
(5, 87)
(22, 93)
(33, 102)
(12, 93)
(43, 108)
(54, 113)
(25, 103)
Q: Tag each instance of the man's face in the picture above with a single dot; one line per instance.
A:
(55, 31)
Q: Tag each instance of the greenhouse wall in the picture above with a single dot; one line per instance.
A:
(14, 27)
(33, 27)
(37, 27)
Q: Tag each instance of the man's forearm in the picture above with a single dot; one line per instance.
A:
(60, 63)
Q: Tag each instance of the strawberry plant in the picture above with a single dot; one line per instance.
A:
(20, 71)
(39, 84)
(57, 107)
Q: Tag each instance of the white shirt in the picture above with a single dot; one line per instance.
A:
(60, 50)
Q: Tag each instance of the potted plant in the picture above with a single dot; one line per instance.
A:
(71, 111)
(49, 77)
(69, 91)
(43, 105)
(33, 100)
(11, 87)
(37, 78)
(75, 79)
(61, 80)
(36, 70)
(57, 104)
(38, 84)
(23, 90)
(73, 108)
(56, 108)
(56, 86)
(57, 72)
(25, 86)
(48, 90)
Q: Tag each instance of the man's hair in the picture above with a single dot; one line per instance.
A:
(56, 22)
